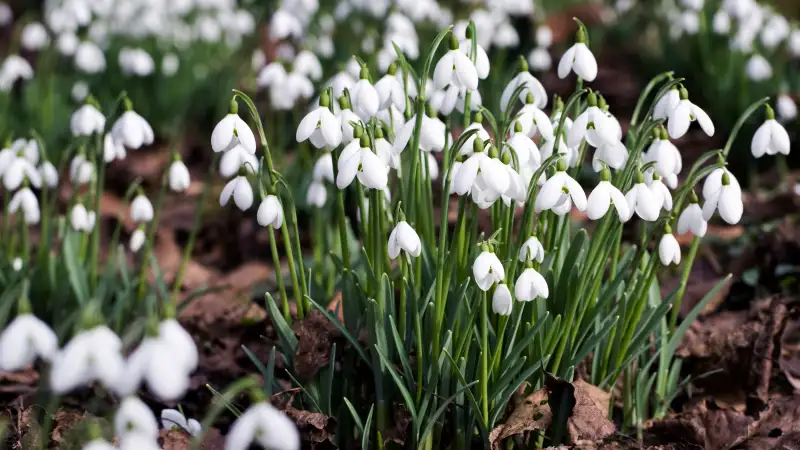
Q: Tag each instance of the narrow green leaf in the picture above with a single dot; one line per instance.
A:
(409, 400)
(285, 333)
(356, 418)
(343, 330)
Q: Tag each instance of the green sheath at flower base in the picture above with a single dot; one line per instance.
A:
(769, 113)
(639, 177)
(505, 157)
(478, 117)
(523, 64)
(364, 74)
(684, 94)
(364, 140)
(591, 99)
(601, 103)
(605, 174)
(493, 151)
(453, 42)
(429, 111)
(358, 131)
(517, 127)
(529, 100)
(378, 132)
(561, 165)
(693, 197)
(392, 69)
(325, 100)
(233, 109)
(726, 179)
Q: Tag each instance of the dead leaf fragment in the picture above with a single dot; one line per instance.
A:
(589, 419)
(315, 335)
(532, 414)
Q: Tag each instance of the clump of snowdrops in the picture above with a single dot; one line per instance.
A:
(732, 51)
(451, 319)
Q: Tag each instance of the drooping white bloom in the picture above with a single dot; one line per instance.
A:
(578, 59)
(141, 209)
(525, 149)
(317, 194)
(232, 131)
(137, 240)
(153, 362)
(235, 159)
(357, 160)
(170, 64)
(603, 196)
(273, 74)
(665, 154)
(18, 170)
(531, 250)
(487, 270)
(529, 285)
(321, 127)
(390, 91)
(134, 416)
(533, 120)
(172, 419)
(786, 108)
(112, 149)
(455, 68)
(6, 14)
(758, 68)
(264, 425)
(482, 174)
(643, 202)
(14, 68)
(593, 126)
(49, 174)
(482, 66)
(614, 155)
(34, 37)
(25, 339)
(559, 190)
(404, 237)
(661, 194)
(239, 188)
(666, 104)
(684, 114)
(691, 219)
(713, 182)
(323, 169)
(502, 302)
(365, 98)
(432, 135)
(184, 349)
(25, 200)
(92, 355)
(721, 23)
(725, 197)
(532, 86)
(136, 61)
(79, 218)
(89, 58)
(307, 63)
(544, 36)
(270, 212)
(179, 179)
(770, 138)
(669, 251)
(540, 59)
(132, 130)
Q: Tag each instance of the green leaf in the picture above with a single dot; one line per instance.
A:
(409, 400)
(367, 429)
(343, 330)
(328, 390)
(314, 401)
(261, 368)
(75, 271)
(401, 352)
(500, 406)
(356, 418)
(476, 407)
(285, 333)
(435, 416)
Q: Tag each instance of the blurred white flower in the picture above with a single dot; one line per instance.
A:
(669, 251)
(34, 37)
(270, 212)
(502, 303)
(91, 355)
(49, 174)
(89, 58)
(317, 194)
(179, 179)
(141, 209)
(134, 416)
(758, 68)
(170, 64)
(264, 425)
(14, 68)
(25, 339)
(67, 43)
(136, 61)
(721, 23)
(172, 419)
(540, 59)
(6, 14)
(239, 188)
(137, 239)
(81, 170)
(26, 200)
(112, 149)
(81, 219)
(132, 130)
(544, 36)
(786, 108)
(80, 90)
(307, 63)
(86, 121)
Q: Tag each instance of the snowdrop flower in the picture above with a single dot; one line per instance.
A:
(320, 126)
(603, 196)
(481, 58)
(404, 237)
(666, 104)
(308, 64)
(665, 154)
(14, 68)
(81, 171)
(721, 23)
(684, 114)
(455, 68)
(357, 159)
(578, 59)
(232, 131)
(172, 419)
(141, 209)
(544, 36)
(170, 64)
(137, 239)
(713, 182)
(172, 334)
(18, 170)
(98, 444)
(239, 188)
(487, 269)
(725, 197)
(153, 362)
(131, 130)
(770, 138)
(786, 107)
(179, 179)
(390, 90)
(6, 14)
(484, 172)
(284, 24)
(661, 193)
(92, 355)
(323, 169)
(696, 5)
(642, 201)
(531, 250)
(533, 87)
(87, 120)
(527, 153)
(133, 416)
(793, 43)
(502, 303)
(691, 219)
(263, 424)
(89, 58)
(316, 194)
(25, 199)
(80, 218)
(236, 160)
(529, 285)
(560, 190)
(49, 174)
(135, 61)
(689, 22)
(386, 153)
(614, 155)
(34, 37)
(540, 59)
(533, 120)
(365, 97)
(25, 339)
(758, 68)
(346, 118)
(273, 74)
(669, 251)
(505, 36)
(592, 125)
(80, 90)
(270, 212)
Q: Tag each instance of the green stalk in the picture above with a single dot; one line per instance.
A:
(341, 217)
(403, 312)
(298, 294)
(278, 275)
(687, 269)
(485, 359)
(148, 246)
(101, 173)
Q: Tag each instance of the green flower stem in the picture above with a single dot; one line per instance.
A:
(198, 216)
(298, 293)
(485, 400)
(341, 216)
(420, 352)
(6, 220)
(687, 269)
(783, 170)
(101, 173)
(26, 246)
(403, 311)
(319, 241)
(638, 307)
(499, 348)
(151, 237)
(279, 275)
(467, 109)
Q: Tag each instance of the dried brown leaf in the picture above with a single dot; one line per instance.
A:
(532, 414)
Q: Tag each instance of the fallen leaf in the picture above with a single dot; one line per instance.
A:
(763, 349)
(314, 427)
(704, 424)
(532, 414)
(589, 419)
(63, 422)
(315, 337)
